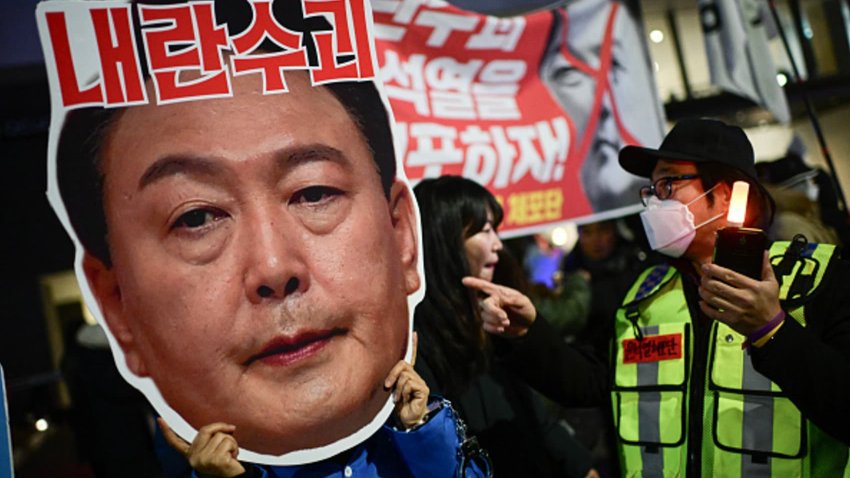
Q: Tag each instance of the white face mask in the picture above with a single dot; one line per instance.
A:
(669, 225)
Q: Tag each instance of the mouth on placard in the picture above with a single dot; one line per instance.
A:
(287, 350)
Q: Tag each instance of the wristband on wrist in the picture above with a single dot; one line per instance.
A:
(765, 332)
(760, 342)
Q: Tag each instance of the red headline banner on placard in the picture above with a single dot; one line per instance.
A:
(186, 38)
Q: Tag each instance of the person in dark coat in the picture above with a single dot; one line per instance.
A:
(483, 347)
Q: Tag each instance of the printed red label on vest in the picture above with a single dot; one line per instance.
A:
(653, 348)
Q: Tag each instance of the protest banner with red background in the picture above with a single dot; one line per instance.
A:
(472, 96)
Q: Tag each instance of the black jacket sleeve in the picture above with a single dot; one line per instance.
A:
(569, 457)
(812, 363)
(571, 376)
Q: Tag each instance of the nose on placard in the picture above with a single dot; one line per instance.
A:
(291, 286)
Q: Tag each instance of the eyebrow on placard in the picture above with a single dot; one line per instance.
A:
(289, 158)
(286, 158)
(174, 164)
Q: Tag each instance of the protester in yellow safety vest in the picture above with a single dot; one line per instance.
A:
(715, 373)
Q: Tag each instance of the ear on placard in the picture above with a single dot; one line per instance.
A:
(404, 224)
(104, 285)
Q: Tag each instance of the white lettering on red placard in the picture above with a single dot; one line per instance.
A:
(184, 49)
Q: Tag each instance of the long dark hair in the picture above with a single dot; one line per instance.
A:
(451, 339)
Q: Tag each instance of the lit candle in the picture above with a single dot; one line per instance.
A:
(738, 204)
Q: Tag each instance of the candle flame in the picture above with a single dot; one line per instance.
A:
(738, 204)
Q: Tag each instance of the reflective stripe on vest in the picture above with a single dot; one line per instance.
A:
(752, 422)
(750, 429)
(652, 391)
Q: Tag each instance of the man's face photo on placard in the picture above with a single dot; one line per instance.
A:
(601, 40)
(257, 259)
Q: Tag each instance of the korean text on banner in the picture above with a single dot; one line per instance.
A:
(532, 106)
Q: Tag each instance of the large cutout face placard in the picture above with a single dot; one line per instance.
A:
(243, 227)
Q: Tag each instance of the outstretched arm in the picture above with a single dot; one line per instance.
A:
(536, 352)
(504, 311)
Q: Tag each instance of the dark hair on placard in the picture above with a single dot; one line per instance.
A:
(760, 205)
(452, 209)
(79, 153)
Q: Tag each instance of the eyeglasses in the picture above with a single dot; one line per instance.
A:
(662, 188)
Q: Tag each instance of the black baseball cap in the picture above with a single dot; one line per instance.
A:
(698, 141)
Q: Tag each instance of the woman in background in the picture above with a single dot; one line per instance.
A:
(483, 347)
